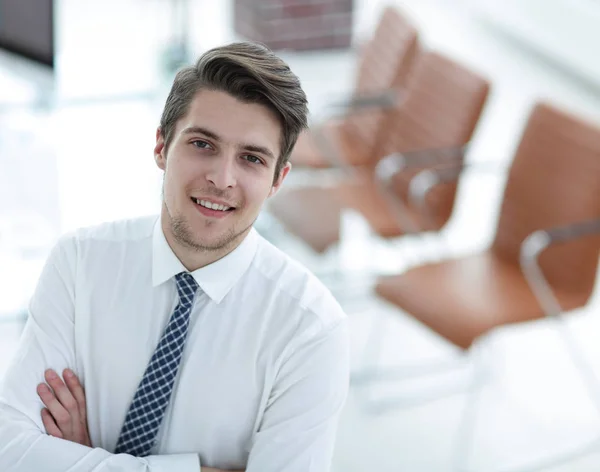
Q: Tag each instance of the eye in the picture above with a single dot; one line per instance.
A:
(252, 159)
(201, 144)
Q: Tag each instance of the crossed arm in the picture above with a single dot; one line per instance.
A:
(64, 415)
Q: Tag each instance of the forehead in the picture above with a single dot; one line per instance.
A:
(235, 121)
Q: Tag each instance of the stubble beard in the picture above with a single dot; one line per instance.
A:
(184, 235)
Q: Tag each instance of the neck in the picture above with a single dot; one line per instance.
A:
(193, 258)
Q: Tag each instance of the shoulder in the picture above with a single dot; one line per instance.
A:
(310, 328)
(296, 287)
(129, 230)
(98, 239)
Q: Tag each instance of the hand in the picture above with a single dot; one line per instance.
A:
(65, 414)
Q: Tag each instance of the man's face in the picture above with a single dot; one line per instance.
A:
(223, 155)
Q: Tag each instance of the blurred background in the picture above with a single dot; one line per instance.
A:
(447, 193)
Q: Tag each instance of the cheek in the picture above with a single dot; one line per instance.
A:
(258, 192)
(173, 189)
(176, 178)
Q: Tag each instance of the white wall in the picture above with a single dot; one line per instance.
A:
(564, 30)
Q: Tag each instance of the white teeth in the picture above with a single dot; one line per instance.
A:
(212, 206)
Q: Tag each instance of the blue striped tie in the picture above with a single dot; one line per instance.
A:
(145, 415)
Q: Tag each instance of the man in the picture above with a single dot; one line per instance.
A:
(199, 344)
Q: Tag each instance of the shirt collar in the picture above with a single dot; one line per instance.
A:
(216, 279)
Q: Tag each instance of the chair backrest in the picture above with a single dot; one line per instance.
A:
(444, 100)
(385, 63)
(554, 180)
(443, 105)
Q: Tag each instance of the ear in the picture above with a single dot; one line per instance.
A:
(282, 175)
(159, 150)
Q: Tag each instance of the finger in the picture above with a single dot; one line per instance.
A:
(76, 390)
(62, 393)
(51, 428)
(61, 416)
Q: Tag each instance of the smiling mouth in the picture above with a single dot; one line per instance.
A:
(212, 206)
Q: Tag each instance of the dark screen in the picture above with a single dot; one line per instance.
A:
(27, 29)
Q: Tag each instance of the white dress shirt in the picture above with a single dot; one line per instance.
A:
(263, 376)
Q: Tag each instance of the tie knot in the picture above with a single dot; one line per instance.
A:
(186, 287)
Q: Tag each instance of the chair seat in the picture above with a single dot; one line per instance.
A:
(313, 213)
(462, 299)
(307, 153)
(365, 197)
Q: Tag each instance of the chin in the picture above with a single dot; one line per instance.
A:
(214, 240)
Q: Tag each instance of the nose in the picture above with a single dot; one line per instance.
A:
(222, 172)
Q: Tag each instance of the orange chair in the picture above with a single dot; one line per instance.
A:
(383, 69)
(554, 180)
(543, 259)
(443, 103)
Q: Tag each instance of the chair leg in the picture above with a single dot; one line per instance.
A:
(468, 422)
(370, 370)
(592, 386)
(370, 374)
(467, 425)
(380, 406)
(588, 377)
(372, 350)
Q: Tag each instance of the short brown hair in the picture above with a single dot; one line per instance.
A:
(251, 73)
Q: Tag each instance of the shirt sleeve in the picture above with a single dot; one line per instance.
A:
(48, 342)
(298, 430)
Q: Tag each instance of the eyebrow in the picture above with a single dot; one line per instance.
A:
(200, 130)
(212, 135)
